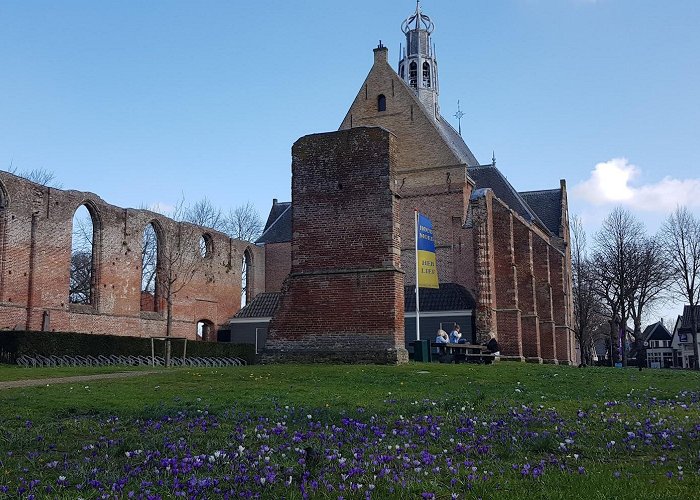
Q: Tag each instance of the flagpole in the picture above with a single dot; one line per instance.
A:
(417, 287)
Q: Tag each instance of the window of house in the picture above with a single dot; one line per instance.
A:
(381, 102)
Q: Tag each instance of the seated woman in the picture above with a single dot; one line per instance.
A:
(456, 334)
(441, 337)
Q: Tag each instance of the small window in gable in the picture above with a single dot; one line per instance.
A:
(381, 102)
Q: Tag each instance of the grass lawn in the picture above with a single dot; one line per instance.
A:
(14, 372)
(415, 431)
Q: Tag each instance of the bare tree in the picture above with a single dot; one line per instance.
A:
(80, 277)
(588, 310)
(40, 176)
(680, 235)
(81, 262)
(649, 281)
(244, 223)
(617, 244)
(179, 260)
(203, 213)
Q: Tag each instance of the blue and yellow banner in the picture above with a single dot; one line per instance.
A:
(426, 267)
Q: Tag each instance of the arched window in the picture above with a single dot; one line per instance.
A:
(82, 258)
(413, 74)
(381, 102)
(3, 197)
(205, 331)
(206, 246)
(402, 72)
(427, 83)
(150, 268)
(246, 278)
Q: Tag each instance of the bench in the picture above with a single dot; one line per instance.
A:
(463, 352)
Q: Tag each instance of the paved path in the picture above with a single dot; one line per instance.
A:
(67, 380)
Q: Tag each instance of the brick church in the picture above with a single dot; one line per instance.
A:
(330, 293)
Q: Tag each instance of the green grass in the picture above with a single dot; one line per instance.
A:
(523, 413)
(14, 372)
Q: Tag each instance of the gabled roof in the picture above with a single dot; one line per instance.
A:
(656, 331)
(488, 176)
(278, 228)
(263, 305)
(547, 206)
(686, 321)
(449, 297)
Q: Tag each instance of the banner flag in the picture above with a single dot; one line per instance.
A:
(426, 267)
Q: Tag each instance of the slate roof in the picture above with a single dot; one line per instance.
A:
(547, 206)
(263, 305)
(278, 228)
(455, 142)
(488, 176)
(449, 297)
(686, 322)
(657, 331)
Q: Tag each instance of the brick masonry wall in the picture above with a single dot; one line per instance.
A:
(278, 264)
(35, 246)
(527, 297)
(343, 300)
(507, 307)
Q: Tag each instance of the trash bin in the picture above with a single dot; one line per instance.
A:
(421, 350)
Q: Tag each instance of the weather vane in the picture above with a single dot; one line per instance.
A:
(459, 114)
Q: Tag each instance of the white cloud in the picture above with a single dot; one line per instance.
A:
(612, 183)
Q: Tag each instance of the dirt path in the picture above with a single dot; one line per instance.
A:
(12, 384)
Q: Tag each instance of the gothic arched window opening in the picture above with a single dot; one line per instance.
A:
(246, 278)
(381, 102)
(427, 83)
(149, 268)
(413, 74)
(82, 257)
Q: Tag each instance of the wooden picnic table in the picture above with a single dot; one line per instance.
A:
(463, 352)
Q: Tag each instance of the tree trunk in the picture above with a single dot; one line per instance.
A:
(694, 326)
(168, 328)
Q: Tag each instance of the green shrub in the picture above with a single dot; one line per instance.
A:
(14, 344)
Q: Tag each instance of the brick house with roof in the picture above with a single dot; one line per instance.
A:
(503, 256)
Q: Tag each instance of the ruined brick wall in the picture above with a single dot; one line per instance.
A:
(278, 264)
(343, 300)
(35, 252)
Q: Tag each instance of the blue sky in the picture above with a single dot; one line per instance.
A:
(142, 102)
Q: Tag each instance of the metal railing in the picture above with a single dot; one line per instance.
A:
(39, 361)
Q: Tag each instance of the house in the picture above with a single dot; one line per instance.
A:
(657, 340)
(682, 341)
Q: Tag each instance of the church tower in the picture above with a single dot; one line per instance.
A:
(418, 66)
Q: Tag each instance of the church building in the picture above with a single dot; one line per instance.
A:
(503, 256)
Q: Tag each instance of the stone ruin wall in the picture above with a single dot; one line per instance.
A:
(344, 299)
(35, 252)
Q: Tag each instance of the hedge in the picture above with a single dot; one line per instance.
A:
(14, 344)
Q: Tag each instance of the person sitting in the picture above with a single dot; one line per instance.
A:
(455, 334)
(493, 348)
(441, 337)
